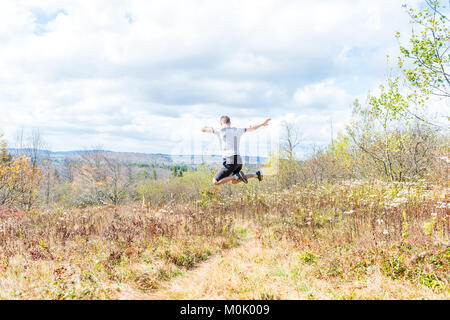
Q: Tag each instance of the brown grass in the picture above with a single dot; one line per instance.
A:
(354, 240)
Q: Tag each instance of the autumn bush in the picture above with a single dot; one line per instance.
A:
(19, 181)
(184, 189)
(371, 148)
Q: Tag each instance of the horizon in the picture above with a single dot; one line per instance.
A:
(114, 151)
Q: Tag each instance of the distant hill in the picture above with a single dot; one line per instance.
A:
(125, 157)
(134, 157)
(197, 159)
(53, 154)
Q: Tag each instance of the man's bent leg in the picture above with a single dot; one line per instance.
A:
(224, 180)
(224, 173)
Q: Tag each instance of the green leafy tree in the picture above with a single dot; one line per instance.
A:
(174, 171)
(391, 103)
(425, 61)
(423, 68)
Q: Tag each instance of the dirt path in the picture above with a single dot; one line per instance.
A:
(201, 282)
(197, 283)
(250, 271)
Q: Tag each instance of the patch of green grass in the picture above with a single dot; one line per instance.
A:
(242, 232)
(308, 257)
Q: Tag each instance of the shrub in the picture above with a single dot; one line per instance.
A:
(19, 181)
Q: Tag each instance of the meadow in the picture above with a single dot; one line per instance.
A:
(348, 240)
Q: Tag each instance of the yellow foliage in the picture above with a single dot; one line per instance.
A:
(341, 148)
(19, 181)
(428, 226)
(271, 165)
(4, 156)
(99, 183)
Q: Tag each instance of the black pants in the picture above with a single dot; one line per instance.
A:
(231, 166)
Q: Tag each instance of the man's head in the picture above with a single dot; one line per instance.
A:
(225, 121)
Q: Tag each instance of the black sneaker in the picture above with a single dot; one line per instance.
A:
(260, 177)
(241, 177)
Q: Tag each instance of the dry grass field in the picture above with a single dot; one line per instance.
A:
(352, 240)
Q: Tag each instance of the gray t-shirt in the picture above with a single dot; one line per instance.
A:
(229, 140)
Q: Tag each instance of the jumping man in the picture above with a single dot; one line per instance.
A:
(229, 138)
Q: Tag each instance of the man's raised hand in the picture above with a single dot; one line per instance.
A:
(265, 123)
(207, 129)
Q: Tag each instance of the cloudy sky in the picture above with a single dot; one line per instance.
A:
(145, 76)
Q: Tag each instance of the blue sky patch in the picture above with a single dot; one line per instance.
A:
(130, 18)
(42, 18)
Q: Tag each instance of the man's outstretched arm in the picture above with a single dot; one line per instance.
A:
(208, 129)
(253, 128)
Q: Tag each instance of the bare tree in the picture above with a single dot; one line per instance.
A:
(30, 146)
(290, 139)
(47, 170)
(289, 166)
(104, 177)
(67, 170)
(395, 150)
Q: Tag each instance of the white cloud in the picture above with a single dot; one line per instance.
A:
(322, 95)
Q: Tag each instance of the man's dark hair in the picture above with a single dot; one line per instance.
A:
(225, 120)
